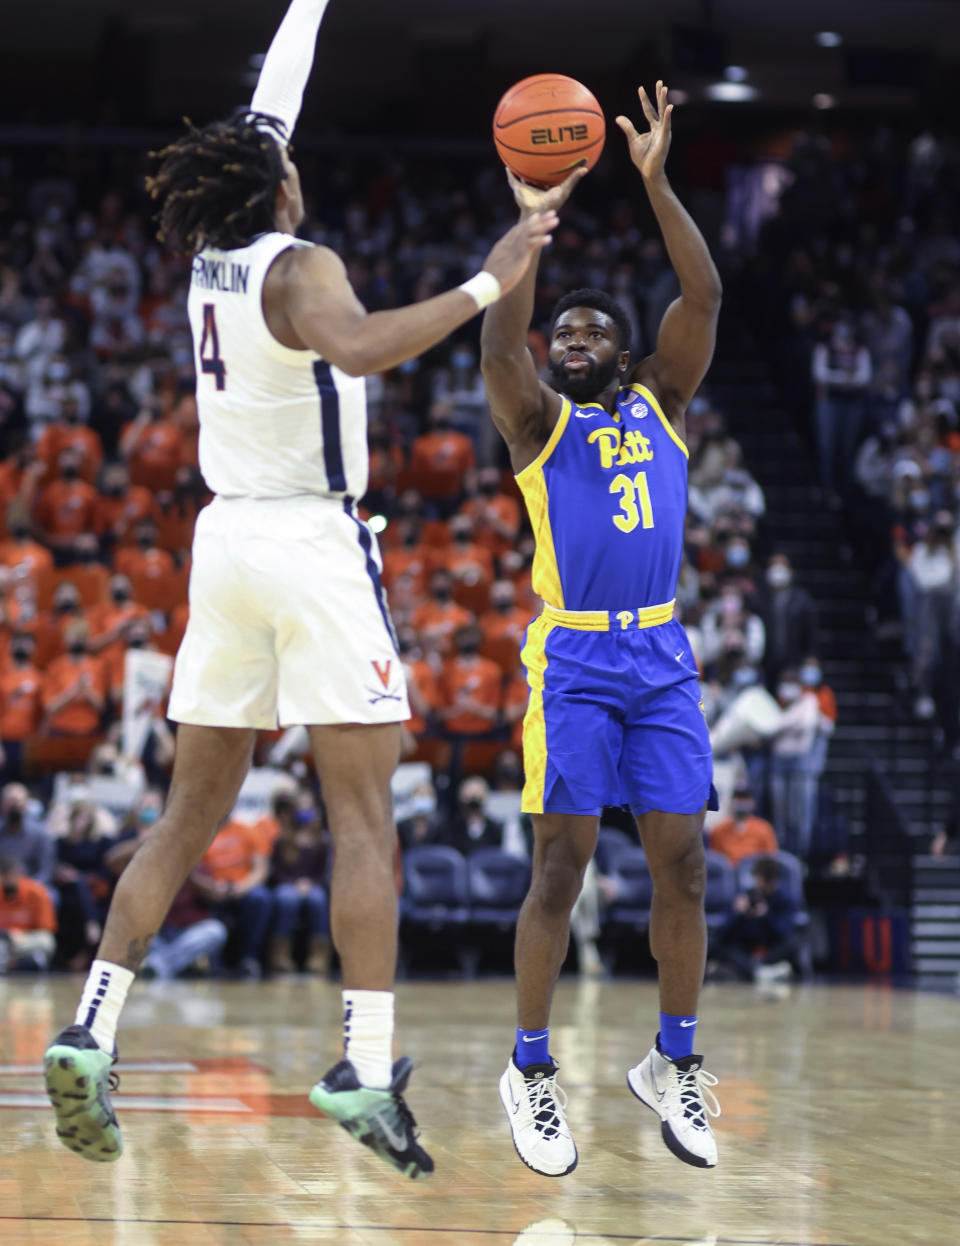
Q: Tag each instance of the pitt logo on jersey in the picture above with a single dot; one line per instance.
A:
(618, 450)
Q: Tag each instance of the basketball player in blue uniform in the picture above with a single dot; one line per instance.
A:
(287, 621)
(614, 715)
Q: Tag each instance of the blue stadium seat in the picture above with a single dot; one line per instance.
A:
(435, 886)
(610, 841)
(497, 883)
(720, 890)
(631, 904)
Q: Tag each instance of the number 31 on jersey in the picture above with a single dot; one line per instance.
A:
(634, 501)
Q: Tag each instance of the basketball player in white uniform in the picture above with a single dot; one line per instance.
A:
(288, 622)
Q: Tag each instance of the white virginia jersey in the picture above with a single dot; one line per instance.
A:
(274, 422)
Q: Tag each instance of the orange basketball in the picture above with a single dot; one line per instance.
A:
(545, 126)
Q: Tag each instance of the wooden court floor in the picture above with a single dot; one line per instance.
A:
(840, 1122)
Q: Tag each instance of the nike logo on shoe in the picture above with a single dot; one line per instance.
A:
(397, 1141)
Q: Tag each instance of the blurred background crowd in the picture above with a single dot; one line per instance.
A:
(848, 285)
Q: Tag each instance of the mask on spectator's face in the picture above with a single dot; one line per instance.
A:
(149, 815)
(145, 540)
(468, 647)
(21, 653)
(423, 806)
(442, 592)
(461, 360)
(66, 605)
(58, 372)
(14, 816)
(70, 471)
(20, 532)
(10, 890)
(788, 692)
(810, 675)
(920, 499)
(742, 809)
(488, 488)
(744, 676)
(462, 536)
(77, 648)
(779, 575)
(738, 556)
(441, 424)
(120, 596)
(473, 806)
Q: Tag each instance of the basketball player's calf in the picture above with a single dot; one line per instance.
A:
(210, 766)
(671, 1080)
(531, 1098)
(364, 1091)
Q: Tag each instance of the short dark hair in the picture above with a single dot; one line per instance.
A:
(767, 869)
(217, 186)
(600, 301)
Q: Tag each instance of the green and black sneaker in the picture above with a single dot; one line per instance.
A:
(380, 1119)
(77, 1076)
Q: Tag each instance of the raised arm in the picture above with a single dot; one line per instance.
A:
(688, 331)
(523, 409)
(310, 303)
(287, 65)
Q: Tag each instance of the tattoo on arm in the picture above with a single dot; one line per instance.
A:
(136, 951)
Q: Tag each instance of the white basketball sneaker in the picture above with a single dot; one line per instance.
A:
(679, 1092)
(534, 1106)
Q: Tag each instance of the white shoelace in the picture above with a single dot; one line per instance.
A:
(547, 1099)
(696, 1097)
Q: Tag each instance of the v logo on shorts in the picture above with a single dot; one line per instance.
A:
(383, 671)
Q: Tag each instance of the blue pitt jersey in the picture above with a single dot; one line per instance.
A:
(607, 498)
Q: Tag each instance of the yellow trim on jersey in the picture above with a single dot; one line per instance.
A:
(610, 620)
(534, 658)
(533, 486)
(548, 449)
(644, 392)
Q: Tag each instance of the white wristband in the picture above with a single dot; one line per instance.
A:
(484, 289)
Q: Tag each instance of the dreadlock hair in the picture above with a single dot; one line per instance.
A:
(600, 301)
(217, 186)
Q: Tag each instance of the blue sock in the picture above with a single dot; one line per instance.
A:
(676, 1035)
(533, 1047)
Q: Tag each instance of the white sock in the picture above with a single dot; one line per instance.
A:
(103, 997)
(368, 1035)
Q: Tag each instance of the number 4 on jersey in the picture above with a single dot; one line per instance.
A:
(212, 364)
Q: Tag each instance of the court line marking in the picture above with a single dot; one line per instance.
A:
(397, 1228)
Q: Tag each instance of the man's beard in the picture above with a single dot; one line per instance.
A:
(585, 385)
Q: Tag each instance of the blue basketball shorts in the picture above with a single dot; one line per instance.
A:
(614, 718)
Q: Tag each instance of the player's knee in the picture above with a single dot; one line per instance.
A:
(557, 881)
(685, 877)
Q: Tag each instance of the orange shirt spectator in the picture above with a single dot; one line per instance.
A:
(176, 520)
(74, 692)
(440, 616)
(51, 628)
(386, 460)
(744, 834)
(495, 515)
(122, 506)
(65, 508)
(71, 435)
(423, 693)
(29, 908)
(187, 418)
(467, 562)
(87, 574)
(153, 449)
(411, 564)
(441, 458)
(233, 853)
(30, 562)
(471, 688)
(170, 640)
(503, 626)
(21, 693)
(151, 571)
(109, 624)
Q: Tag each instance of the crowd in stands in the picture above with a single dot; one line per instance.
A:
(857, 281)
(99, 492)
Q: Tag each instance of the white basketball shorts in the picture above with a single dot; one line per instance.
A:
(288, 620)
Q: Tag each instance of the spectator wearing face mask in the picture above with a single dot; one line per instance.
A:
(407, 565)
(30, 563)
(151, 571)
(21, 706)
(122, 506)
(933, 571)
(470, 687)
(422, 824)
(503, 627)
(789, 616)
(495, 515)
(82, 881)
(65, 508)
(27, 920)
(794, 779)
(461, 385)
(53, 625)
(25, 837)
(69, 432)
(153, 448)
(422, 689)
(743, 834)
(88, 574)
(40, 338)
(110, 624)
(727, 613)
(441, 458)
(74, 689)
(470, 565)
(842, 373)
(470, 828)
(759, 940)
(439, 617)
